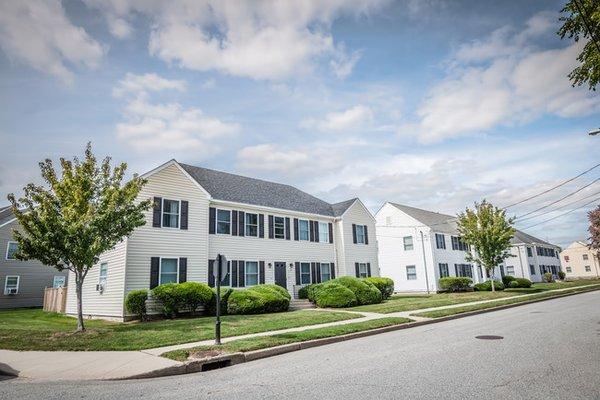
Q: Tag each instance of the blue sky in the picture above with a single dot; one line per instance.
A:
(431, 103)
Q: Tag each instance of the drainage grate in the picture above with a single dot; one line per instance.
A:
(215, 365)
(489, 337)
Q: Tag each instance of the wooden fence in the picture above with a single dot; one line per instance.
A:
(55, 299)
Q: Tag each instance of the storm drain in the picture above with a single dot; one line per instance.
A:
(489, 337)
(215, 365)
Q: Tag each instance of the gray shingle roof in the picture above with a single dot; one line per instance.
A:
(241, 189)
(5, 214)
(342, 206)
(524, 238)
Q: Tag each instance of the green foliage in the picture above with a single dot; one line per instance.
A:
(193, 295)
(303, 292)
(77, 216)
(512, 284)
(455, 283)
(336, 296)
(507, 279)
(211, 308)
(169, 296)
(135, 303)
(594, 229)
(313, 290)
(561, 275)
(385, 285)
(365, 292)
(257, 300)
(548, 277)
(576, 26)
(276, 288)
(523, 282)
(487, 286)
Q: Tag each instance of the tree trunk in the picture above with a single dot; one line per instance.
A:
(78, 290)
(491, 277)
(493, 288)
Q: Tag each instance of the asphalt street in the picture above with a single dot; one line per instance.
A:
(549, 350)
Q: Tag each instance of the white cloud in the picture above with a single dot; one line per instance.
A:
(133, 83)
(39, 34)
(344, 63)
(350, 119)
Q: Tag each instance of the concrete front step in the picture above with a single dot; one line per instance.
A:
(300, 304)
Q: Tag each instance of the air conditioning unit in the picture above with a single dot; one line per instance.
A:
(12, 291)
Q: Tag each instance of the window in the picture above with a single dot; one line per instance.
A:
(360, 234)
(305, 273)
(585, 256)
(59, 281)
(588, 269)
(224, 222)
(443, 270)
(303, 230)
(569, 269)
(464, 270)
(170, 213)
(11, 249)
(251, 224)
(411, 272)
(11, 285)
(440, 241)
(325, 270)
(251, 272)
(323, 232)
(529, 252)
(363, 270)
(458, 244)
(532, 269)
(567, 258)
(408, 242)
(103, 274)
(168, 271)
(279, 227)
(510, 270)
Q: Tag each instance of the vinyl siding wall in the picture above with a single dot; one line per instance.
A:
(360, 253)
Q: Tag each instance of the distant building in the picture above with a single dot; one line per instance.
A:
(580, 262)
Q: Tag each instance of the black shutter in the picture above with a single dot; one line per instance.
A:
(366, 234)
(234, 223)
(234, 273)
(212, 217)
(298, 280)
(316, 231)
(332, 271)
(156, 212)
(318, 271)
(261, 225)
(313, 270)
(287, 228)
(271, 228)
(241, 274)
(261, 272)
(211, 277)
(357, 270)
(184, 214)
(330, 232)
(182, 269)
(312, 230)
(455, 269)
(354, 233)
(368, 269)
(154, 267)
(296, 232)
(241, 223)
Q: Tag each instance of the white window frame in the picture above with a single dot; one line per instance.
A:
(102, 279)
(160, 269)
(360, 272)
(6, 283)
(162, 213)
(510, 270)
(360, 238)
(412, 243)
(321, 265)
(323, 232)
(275, 227)
(304, 273)
(62, 277)
(307, 230)
(246, 224)
(217, 221)
(8, 247)
(414, 267)
(246, 273)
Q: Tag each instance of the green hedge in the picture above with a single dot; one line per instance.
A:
(548, 277)
(312, 291)
(135, 303)
(385, 285)
(303, 292)
(522, 283)
(211, 307)
(365, 292)
(507, 279)
(487, 286)
(193, 295)
(335, 295)
(455, 283)
(257, 300)
(169, 298)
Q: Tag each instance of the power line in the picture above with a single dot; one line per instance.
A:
(556, 209)
(552, 188)
(563, 214)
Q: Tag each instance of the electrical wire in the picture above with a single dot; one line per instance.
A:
(558, 208)
(563, 214)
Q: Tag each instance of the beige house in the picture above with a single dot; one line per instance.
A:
(580, 262)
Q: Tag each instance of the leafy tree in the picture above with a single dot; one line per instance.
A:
(594, 229)
(83, 213)
(487, 230)
(582, 20)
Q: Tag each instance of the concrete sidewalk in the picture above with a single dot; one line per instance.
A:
(98, 365)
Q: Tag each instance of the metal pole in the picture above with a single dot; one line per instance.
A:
(425, 261)
(218, 298)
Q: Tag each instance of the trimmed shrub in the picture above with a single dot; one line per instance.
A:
(312, 291)
(548, 277)
(135, 303)
(170, 298)
(455, 283)
(193, 295)
(335, 295)
(365, 292)
(513, 284)
(385, 285)
(507, 279)
(257, 300)
(211, 307)
(523, 283)
(277, 288)
(561, 275)
(303, 292)
(273, 299)
(487, 286)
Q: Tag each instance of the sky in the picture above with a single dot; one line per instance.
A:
(430, 103)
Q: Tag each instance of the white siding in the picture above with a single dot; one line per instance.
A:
(361, 253)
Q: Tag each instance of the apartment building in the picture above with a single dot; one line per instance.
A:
(580, 262)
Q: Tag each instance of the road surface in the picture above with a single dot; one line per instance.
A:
(550, 350)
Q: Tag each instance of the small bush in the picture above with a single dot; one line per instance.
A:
(274, 299)
(335, 295)
(313, 290)
(523, 283)
(513, 284)
(277, 288)
(257, 300)
(366, 293)
(548, 277)
(135, 303)
(561, 275)
(487, 286)
(455, 283)
(507, 279)
(193, 295)
(169, 296)
(303, 292)
(211, 308)
(385, 285)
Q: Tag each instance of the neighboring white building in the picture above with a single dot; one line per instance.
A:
(270, 232)
(418, 247)
(580, 262)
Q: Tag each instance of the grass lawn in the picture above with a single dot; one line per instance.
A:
(286, 338)
(475, 307)
(34, 329)
(416, 302)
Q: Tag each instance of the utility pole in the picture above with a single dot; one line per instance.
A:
(219, 265)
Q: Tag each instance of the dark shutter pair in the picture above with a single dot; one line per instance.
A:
(296, 230)
(157, 213)
(237, 223)
(155, 268)
(287, 227)
(316, 276)
(314, 231)
(357, 270)
(366, 233)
